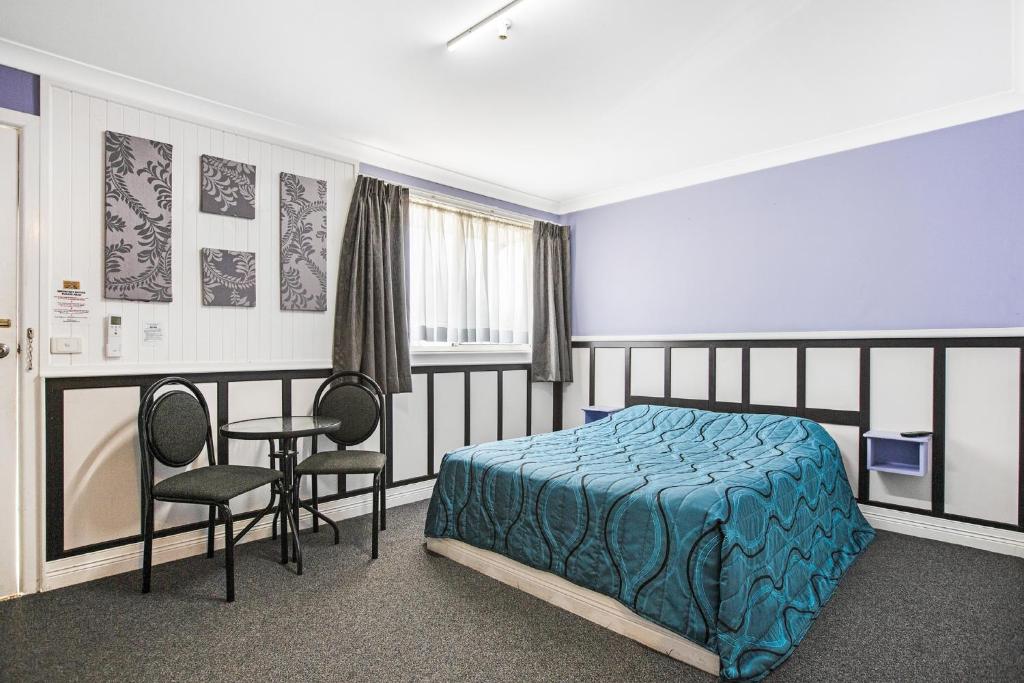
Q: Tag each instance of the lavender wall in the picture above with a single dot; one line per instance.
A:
(19, 90)
(923, 232)
(412, 181)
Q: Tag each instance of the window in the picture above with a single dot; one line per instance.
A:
(470, 275)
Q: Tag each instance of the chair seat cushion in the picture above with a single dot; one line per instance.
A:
(343, 462)
(214, 484)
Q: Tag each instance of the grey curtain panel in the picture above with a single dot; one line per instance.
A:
(552, 309)
(371, 321)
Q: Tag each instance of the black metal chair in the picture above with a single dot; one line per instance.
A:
(356, 400)
(173, 429)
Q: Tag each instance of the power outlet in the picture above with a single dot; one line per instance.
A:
(65, 344)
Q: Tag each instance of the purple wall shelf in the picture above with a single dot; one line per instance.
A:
(595, 413)
(895, 454)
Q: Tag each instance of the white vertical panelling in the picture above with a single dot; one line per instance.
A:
(541, 407)
(609, 377)
(410, 431)
(773, 377)
(193, 334)
(576, 394)
(901, 400)
(483, 407)
(647, 372)
(690, 373)
(729, 375)
(514, 386)
(833, 379)
(982, 433)
(248, 400)
(848, 440)
(449, 414)
(101, 465)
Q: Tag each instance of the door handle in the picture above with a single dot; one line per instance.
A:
(5, 350)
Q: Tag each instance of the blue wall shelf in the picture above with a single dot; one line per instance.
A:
(595, 413)
(895, 454)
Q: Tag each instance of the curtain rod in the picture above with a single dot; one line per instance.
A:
(471, 206)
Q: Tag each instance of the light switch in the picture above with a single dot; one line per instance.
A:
(65, 344)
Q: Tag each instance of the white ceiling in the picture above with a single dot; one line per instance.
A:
(587, 100)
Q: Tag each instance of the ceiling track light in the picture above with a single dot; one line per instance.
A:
(503, 25)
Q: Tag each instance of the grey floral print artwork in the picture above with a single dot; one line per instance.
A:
(229, 277)
(137, 253)
(227, 187)
(303, 243)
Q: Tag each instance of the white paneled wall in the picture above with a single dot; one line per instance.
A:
(981, 397)
(195, 335)
(729, 375)
(901, 400)
(773, 377)
(982, 437)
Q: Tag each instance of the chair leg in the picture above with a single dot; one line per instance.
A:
(383, 504)
(147, 547)
(376, 513)
(316, 504)
(229, 552)
(210, 530)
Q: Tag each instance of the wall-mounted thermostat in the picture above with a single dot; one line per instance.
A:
(113, 349)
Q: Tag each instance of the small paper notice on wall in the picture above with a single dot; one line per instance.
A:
(152, 333)
(70, 303)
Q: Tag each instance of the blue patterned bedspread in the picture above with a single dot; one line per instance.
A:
(730, 529)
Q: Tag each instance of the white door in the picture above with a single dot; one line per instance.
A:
(9, 475)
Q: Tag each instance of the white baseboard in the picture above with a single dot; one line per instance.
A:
(947, 531)
(72, 570)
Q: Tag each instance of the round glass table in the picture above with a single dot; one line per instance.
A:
(283, 434)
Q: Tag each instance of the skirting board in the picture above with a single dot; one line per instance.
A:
(947, 531)
(72, 570)
(592, 606)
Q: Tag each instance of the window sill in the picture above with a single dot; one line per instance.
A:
(468, 355)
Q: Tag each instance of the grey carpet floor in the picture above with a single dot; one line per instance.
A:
(908, 610)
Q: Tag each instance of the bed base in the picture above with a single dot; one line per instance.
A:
(583, 602)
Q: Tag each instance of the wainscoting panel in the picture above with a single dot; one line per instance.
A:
(982, 433)
(833, 378)
(967, 390)
(541, 410)
(483, 407)
(577, 393)
(647, 372)
(729, 375)
(689, 373)
(901, 400)
(848, 440)
(773, 377)
(514, 386)
(101, 455)
(409, 411)
(609, 377)
(450, 430)
(248, 400)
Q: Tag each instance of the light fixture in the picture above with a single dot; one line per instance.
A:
(503, 25)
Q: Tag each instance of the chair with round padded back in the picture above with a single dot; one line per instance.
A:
(174, 428)
(356, 400)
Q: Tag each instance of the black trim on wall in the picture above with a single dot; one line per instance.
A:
(860, 418)
(54, 420)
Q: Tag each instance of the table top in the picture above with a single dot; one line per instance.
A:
(283, 427)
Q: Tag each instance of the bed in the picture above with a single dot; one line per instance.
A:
(725, 531)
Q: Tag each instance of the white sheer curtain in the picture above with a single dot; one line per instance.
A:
(470, 276)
